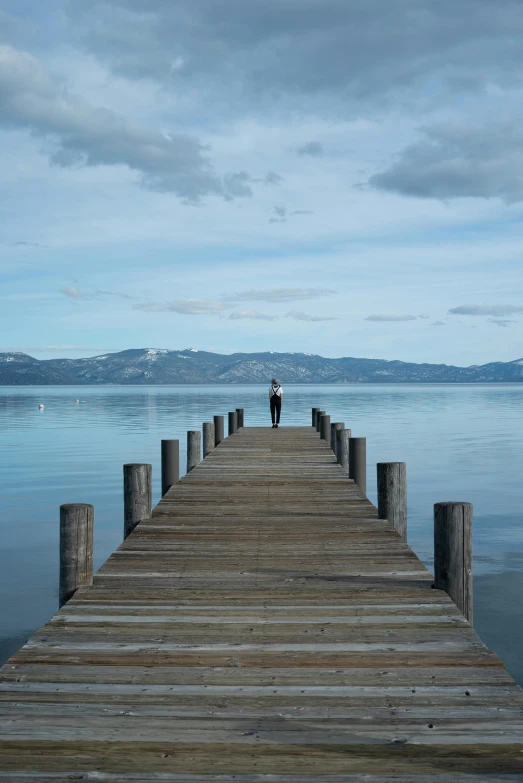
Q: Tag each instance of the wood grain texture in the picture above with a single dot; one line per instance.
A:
(453, 553)
(392, 494)
(209, 437)
(263, 625)
(76, 548)
(194, 448)
(137, 495)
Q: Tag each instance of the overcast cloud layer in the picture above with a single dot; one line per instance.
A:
(336, 177)
(360, 48)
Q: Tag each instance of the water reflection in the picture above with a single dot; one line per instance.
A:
(459, 442)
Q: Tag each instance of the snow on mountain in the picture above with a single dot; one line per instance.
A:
(163, 366)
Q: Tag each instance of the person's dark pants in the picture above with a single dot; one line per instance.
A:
(275, 408)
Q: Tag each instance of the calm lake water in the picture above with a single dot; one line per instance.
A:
(460, 442)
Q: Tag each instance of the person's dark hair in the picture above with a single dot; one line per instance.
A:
(275, 382)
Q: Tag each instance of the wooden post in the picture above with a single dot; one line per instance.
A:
(342, 448)
(314, 412)
(318, 420)
(233, 422)
(194, 444)
(325, 429)
(137, 495)
(338, 425)
(208, 437)
(218, 430)
(76, 548)
(392, 494)
(358, 462)
(170, 464)
(453, 553)
(239, 412)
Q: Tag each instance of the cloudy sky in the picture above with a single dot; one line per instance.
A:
(341, 177)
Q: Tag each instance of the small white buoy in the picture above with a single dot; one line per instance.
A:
(77, 401)
(41, 407)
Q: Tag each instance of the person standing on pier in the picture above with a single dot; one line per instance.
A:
(275, 398)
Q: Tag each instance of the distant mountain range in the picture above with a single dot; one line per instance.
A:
(142, 366)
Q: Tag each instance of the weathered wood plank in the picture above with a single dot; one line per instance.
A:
(262, 625)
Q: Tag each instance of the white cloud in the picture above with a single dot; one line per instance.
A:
(486, 310)
(312, 148)
(501, 322)
(279, 214)
(251, 314)
(278, 294)
(300, 316)
(272, 178)
(117, 294)
(390, 317)
(85, 135)
(73, 293)
(184, 307)
(460, 160)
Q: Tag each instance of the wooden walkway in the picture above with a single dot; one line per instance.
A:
(263, 625)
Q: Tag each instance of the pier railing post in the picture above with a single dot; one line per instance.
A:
(325, 429)
(239, 413)
(194, 445)
(76, 548)
(218, 429)
(342, 448)
(358, 462)
(319, 414)
(453, 553)
(314, 412)
(335, 426)
(392, 494)
(208, 437)
(233, 422)
(137, 495)
(170, 464)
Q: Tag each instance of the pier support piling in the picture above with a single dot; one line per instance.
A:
(392, 494)
(453, 553)
(358, 462)
(209, 437)
(314, 412)
(335, 426)
(76, 548)
(218, 429)
(170, 464)
(319, 414)
(194, 446)
(325, 429)
(239, 413)
(342, 448)
(137, 495)
(233, 422)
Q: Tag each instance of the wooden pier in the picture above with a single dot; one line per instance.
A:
(262, 625)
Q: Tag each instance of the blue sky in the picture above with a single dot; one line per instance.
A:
(339, 178)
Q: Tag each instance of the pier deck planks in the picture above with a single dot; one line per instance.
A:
(263, 625)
